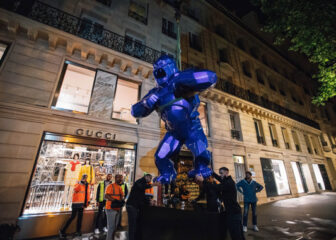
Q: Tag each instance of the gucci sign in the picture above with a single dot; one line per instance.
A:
(98, 134)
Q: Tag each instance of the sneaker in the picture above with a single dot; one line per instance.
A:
(96, 231)
(105, 229)
(255, 228)
(244, 228)
(61, 234)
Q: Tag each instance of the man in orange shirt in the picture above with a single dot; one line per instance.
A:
(115, 201)
(80, 200)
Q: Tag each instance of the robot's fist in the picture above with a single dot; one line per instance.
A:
(151, 100)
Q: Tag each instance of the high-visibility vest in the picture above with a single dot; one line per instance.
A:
(79, 193)
(123, 187)
(101, 191)
(116, 193)
(149, 191)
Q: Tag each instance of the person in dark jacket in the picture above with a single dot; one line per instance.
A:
(211, 191)
(136, 200)
(228, 195)
(248, 187)
(101, 221)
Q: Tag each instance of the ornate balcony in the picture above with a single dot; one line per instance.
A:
(93, 32)
(235, 134)
(237, 91)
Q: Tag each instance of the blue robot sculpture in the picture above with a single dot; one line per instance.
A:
(176, 100)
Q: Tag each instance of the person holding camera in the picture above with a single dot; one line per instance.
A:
(115, 201)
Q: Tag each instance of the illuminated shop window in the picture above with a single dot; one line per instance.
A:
(298, 177)
(275, 177)
(61, 162)
(318, 176)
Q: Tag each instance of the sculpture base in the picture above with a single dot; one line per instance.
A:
(166, 223)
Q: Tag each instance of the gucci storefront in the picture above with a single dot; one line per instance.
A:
(61, 161)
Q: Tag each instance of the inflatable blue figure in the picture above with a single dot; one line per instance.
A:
(176, 100)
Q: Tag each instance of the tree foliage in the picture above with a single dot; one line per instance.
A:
(310, 26)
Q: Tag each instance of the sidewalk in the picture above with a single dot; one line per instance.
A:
(308, 217)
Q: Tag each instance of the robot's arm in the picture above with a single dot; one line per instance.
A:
(146, 105)
(194, 81)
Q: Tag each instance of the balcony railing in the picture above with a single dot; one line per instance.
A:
(287, 145)
(275, 143)
(237, 91)
(96, 33)
(235, 134)
(169, 33)
(261, 140)
(56, 18)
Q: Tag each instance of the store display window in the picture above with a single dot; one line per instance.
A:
(275, 177)
(61, 162)
(297, 176)
(318, 177)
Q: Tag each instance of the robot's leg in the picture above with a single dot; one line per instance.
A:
(166, 149)
(197, 144)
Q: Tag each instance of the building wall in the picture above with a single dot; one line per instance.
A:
(32, 68)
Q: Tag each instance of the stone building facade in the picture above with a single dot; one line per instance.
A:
(259, 117)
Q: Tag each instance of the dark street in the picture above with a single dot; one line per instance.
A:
(308, 217)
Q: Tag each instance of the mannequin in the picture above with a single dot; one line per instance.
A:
(70, 179)
(87, 169)
(100, 175)
(100, 172)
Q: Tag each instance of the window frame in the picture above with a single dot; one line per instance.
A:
(60, 83)
(4, 55)
(296, 143)
(274, 135)
(259, 129)
(284, 136)
(234, 116)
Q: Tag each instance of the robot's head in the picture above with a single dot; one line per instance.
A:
(164, 68)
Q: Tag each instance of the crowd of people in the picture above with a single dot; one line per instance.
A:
(220, 192)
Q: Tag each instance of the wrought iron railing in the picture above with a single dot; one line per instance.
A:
(96, 33)
(237, 91)
(235, 134)
(93, 32)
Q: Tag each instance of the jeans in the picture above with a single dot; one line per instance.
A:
(246, 210)
(76, 209)
(235, 227)
(101, 220)
(112, 222)
(133, 214)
